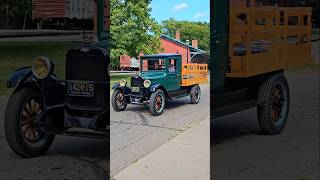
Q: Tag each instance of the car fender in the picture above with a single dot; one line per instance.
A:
(19, 76)
(24, 77)
(154, 87)
(125, 89)
(116, 86)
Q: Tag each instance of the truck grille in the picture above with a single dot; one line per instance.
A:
(88, 65)
(137, 82)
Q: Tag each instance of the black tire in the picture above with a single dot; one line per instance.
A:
(273, 104)
(195, 94)
(157, 102)
(114, 101)
(15, 121)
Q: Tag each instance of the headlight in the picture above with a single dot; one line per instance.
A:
(42, 67)
(123, 82)
(147, 83)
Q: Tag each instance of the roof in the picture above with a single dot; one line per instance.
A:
(159, 55)
(183, 44)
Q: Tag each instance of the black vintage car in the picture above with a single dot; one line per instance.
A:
(42, 105)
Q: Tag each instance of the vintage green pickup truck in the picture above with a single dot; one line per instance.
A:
(162, 77)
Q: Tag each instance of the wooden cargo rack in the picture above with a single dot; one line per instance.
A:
(267, 39)
(194, 74)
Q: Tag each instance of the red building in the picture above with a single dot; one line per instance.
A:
(61, 10)
(252, 3)
(190, 53)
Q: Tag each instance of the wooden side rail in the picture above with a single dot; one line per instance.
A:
(194, 74)
(265, 39)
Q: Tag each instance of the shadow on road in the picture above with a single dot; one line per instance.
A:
(234, 126)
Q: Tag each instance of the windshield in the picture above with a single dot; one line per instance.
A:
(153, 65)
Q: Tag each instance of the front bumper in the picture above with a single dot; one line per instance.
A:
(140, 98)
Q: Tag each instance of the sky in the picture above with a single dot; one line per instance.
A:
(190, 10)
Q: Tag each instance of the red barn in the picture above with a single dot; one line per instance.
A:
(190, 53)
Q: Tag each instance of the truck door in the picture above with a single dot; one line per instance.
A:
(173, 75)
(219, 44)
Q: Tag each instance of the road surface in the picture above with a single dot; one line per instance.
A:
(135, 133)
(68, 158)
(241, 152)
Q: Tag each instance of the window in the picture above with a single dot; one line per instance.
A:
(172, 65)
(153, 65)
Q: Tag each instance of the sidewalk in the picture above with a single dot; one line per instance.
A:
(186, 157)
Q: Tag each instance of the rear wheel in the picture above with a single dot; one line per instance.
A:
(22, 133)
(195, 94)
(273, 104)
(118, 100)
(157, 102)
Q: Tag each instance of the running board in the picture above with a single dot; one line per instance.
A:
(95, 135)
(233, 108)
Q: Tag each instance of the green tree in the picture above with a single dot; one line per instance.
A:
(189, 31)
(15, 8)
(132, 29)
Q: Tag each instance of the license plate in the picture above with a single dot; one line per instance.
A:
(81, 88)
(135, 89)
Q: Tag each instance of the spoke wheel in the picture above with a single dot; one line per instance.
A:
(195, 94)
(277, 102)
(157, 102)
(23, 135)
(118, 100)
(273, 104)
(31, 110)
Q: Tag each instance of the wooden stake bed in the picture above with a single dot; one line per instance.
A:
(267, 39)
(193, 74)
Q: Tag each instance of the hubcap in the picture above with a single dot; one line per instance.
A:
(28, 125)
(159, 102)
(278, 103)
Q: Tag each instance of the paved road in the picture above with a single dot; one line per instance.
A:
(316, 51)
(135, 133)
(69, 158)
(240, 152)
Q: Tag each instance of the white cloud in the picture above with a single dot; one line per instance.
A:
(179, 7)
(201, 14)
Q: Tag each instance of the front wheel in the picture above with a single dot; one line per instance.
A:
(273, 107)
(157, 102)
(195, 94)
(22, 133)
(118, 100)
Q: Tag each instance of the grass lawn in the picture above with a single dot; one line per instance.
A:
(14, 55)
(116, 78)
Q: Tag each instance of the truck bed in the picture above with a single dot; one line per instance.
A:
(194, 74)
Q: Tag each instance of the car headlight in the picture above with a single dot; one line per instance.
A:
(42, 67)
(147, 83)
(123, 82)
